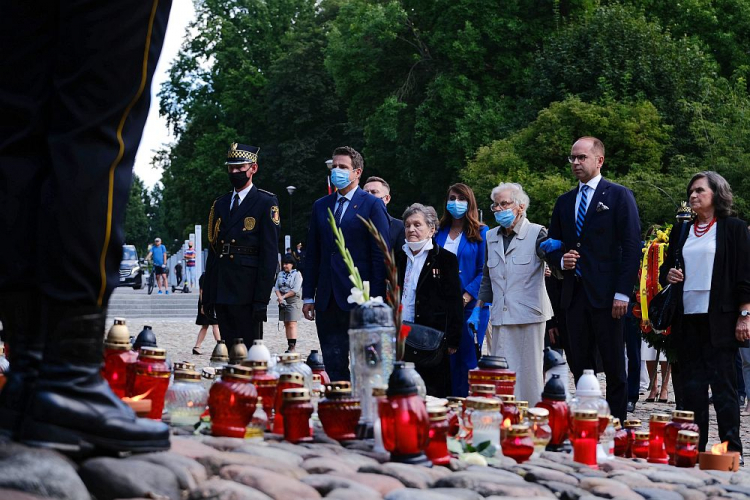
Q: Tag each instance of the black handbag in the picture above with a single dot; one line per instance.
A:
(663, 307)
(425, 346)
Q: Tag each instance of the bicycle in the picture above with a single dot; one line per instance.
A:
(151, 279)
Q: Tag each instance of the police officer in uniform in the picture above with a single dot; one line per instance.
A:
(243, 234)
(74, 96)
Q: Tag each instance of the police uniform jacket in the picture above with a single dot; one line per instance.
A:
(243, 249)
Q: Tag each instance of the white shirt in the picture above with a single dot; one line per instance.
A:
(698, 255)
(242, 194)
(414, 265)
(348, 197)
(452, 245)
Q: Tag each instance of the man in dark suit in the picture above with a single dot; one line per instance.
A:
(598, 225)
(377, 187)
(243, 234)
(327, 286)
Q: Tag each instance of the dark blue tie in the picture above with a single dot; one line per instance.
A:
(235, 205)
(581, 216)
(339, 210)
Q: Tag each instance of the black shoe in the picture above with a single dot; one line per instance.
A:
(73, 409)
(630, 407)
(21, 334)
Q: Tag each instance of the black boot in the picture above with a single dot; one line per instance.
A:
(73, 410)
(19, 312)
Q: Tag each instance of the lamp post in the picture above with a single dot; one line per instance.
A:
(290, 190)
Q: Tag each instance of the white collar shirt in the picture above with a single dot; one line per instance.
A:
(414, 265)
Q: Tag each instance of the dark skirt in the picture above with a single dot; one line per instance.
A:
(437, 378)
(203, 320)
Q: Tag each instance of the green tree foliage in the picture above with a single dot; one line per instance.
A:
(136, 216)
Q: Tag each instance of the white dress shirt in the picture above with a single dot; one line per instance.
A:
(414, 265)
(698, 255)
(242, 194)
(452, 245)
(348, 196)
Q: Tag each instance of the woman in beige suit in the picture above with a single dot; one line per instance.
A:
(513, 281)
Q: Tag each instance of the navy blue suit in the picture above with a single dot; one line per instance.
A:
(326, 275)
(471, 257)
(609, 247)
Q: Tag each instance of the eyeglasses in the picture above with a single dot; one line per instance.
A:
(580, 158)
(503, 205)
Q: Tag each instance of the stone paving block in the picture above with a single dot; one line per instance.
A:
(275, 485)
(378, 482)
(324, 465)
(351, 494)
(190, 447)
(620, 492)
(214, 463)
(410, 478)
(675, 477)
(325, 483)
(631, 479)
(549, 464)
(298, 450)
(222, 443)
(658, 494)
(564, 491)
(39, 472)
(741, 478)
(259, 450)
(6, 494)
(222, 489)
(416, 494)
(692, 494)
(458, 493)
(110, 478)
(535, 474)
(189, 472)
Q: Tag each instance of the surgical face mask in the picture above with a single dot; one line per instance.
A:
(416, 246)
(457, 208)
(340, 178)
(505, 217)
(238, 179)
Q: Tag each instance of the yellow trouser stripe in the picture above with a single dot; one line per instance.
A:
(121, 153)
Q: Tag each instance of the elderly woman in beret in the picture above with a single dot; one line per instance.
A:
(431, 292)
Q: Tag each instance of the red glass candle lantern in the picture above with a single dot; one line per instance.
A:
(509, 410)
(523, 407)
(686, 448)
(454, 425)
(315, 362)
(117, 357)
(437, 448)
(585, 436)
(681, 420)
(657, 454)
(494, 370)
(339, 412)
(265, 383)
(466, 432)
(518, 443)
(403, 417)
(621, 439)
(148, 377)
(297, 410)
(541, 432)
(482, 390)
(553, 399)
(286, 381)
(232, 401)
(640, 444)
(631, 425)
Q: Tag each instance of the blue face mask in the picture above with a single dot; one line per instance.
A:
(340, 178)
(505, 217)
(457, 208)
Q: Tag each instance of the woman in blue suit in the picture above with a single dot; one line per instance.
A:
(462, 234)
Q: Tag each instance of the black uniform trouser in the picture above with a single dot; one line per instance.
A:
(75, 82)
(703, 365)
(236, 322)
(593, 330)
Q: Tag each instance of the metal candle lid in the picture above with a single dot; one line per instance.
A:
(220, 353)
(401, 382)
(507, 398)
(238, 352)
(339, 388)
(683, 414)
(153, 353)
(632, 423)
(294, 378)
(488, 389)
(586, 415)
(379, 391)
(238, 371)
(316, 378)
(437, 413)
(537, 414)
(118, 337)
(184, 366)
(187, 376)
(617, 424)
(256, 365)
(371, 315)
(659, 417)
(519, 430)
(300, 394)
(486, 404)
(642, 435)
(146, 338)
(493, 362)
(687, 437)
(289, 357)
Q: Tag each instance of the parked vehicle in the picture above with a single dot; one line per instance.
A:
(131, 270)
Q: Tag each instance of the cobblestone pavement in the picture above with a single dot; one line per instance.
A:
(178, 337)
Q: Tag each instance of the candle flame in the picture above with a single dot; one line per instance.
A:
(138, 397)
(506, 423)
(720, 449)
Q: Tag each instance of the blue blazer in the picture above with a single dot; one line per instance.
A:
(609, 245)
(325, 273)
(470, 260)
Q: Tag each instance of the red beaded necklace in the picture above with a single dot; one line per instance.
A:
(701, 229)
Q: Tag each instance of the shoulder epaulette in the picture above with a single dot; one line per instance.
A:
(269, 193)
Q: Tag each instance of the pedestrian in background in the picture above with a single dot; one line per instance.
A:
(205, 319)
(461, 233)
(288, 290)
(158, 253)
(190, 265)
(379, 188)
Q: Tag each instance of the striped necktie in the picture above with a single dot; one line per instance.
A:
(581, 216)
(339, 210)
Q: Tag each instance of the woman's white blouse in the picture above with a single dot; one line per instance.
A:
(414, 265)
(698, 255)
